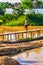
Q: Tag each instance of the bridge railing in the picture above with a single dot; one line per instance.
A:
(12, 36)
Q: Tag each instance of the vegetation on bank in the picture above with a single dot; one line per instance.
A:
(18, 18)
(33, 19)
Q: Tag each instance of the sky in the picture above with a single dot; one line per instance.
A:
(12, 1)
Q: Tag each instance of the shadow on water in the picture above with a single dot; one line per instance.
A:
(25, 62)
(30, 57)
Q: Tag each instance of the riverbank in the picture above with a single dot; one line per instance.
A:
(6, 60)
(9, 49)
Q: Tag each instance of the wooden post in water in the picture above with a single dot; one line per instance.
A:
(26, 34)
(31, 34)
(18, 35)
(10, 37)
(7, 37)
(38, 33)
(15, 36)
(22, 35)
(2, 37)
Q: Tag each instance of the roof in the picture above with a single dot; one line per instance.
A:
(9, 10)
(40, 11)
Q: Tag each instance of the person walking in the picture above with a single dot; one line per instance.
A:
(26, 24)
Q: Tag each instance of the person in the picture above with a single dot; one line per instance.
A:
(26, 24)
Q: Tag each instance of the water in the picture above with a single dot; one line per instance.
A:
(30, 57)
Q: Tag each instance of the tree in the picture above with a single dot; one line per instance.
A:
(28, 4)
(2, 8)
(20, 10)
(38, 4)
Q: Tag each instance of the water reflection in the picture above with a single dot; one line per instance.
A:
(27, 53)
(30, 57)
(37, 50)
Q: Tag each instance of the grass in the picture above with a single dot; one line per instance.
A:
(17, 22)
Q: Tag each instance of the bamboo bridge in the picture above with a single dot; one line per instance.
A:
(14, 36)
(8, 38)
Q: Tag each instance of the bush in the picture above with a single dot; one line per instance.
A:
(1, 22)
(35, 19)
(15, 20)
(18, 22)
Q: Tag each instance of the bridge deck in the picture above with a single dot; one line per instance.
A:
(15, 36)
(32, 38)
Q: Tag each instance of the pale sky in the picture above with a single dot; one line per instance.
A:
(12, 1)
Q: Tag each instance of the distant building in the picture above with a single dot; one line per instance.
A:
(35, 4)
(9, 11)
(36, 11)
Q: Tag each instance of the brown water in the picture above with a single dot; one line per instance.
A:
(30, 57)
(17, 28)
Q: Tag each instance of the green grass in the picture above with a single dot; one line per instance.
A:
(18, 22)
(33, 20)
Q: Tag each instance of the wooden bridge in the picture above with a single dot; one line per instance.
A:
(14, 36)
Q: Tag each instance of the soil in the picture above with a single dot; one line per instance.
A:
(5, 60)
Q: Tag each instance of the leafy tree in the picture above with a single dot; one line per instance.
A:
(2, 8)
(27, 3)
(38, 3)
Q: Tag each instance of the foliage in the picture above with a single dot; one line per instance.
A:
(1, 22)
(27, 3)
(16, 22)
(18, 19)
(35, 19)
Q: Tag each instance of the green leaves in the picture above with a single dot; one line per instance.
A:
(27, 3)
(35, 19)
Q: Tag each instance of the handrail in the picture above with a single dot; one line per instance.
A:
(7, 33)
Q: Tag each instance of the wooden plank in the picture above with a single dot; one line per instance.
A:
(31, 34)
(22, 35)
(20, 32)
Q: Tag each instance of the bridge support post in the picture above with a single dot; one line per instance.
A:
(18, 36)
(11, 37)
(26, 34)
(31, 34)
(15, 36)
(7, 37)
(3, 37)
(38, 33)
(22, 36)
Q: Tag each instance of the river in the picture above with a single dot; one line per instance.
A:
(30, 57)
